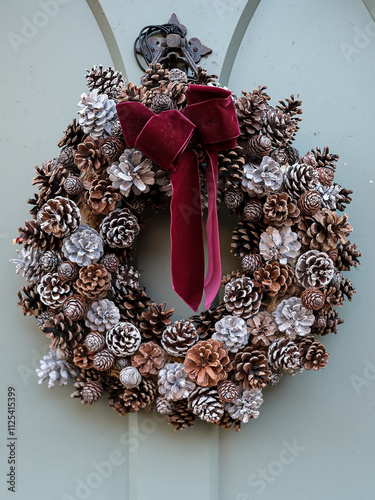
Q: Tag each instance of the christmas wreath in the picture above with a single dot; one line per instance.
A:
(187, 146)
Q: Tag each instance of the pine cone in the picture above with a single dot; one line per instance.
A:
(314, 269)
(326, 175)
(103, 360)
(123, 339)
(84, 246)
(75, 307)
(164, 405)
(142, 396)
(102, 198)
(110, 261)
(149, 359)
(125, 280)
(292, 318)
(82, 357)
(179, 337)
(96, 114)
(111, 148)
(155, 76)
(119, 228)
(161, 102)
(102, 315)
(154, 320)
(322, 230)
(206, 320)
(30, 301)
(253, 210)
(73, 185)
(50, 180)
(231, 331)
(66, 159)
(91, 392)
(251, 263)
(89, 158)
(28, 261)
(279, 210)
(116, 130)
(263, 179)
(59, 216)
(68, 271)
(233, 199)
(258, 146)
(262, 329)
(283, 354)
(310, 202)
(251, 111)
(300, 178)
(177, 75)
(327, 323)
(93, 281)
(227, 391)
(206, 404)
(325, 158)
(94, 342)
(245, 238)
(54, 369)
(130, 376)
(251, 368)
(230, 166)
(241, 298)
(348, 256)
(227, 421)
(207, 363)
(132, 172)
(63, 331)
(49, 260)
(106, 81)
(34, 237)
(73, 136)
(313, 354)
(332, 297)
(53, 291)
(181, 417)
(313, 299)
(274, 279)
(174, 382)
(246, 406)
(279, 127)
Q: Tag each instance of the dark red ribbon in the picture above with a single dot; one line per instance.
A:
(164, 138)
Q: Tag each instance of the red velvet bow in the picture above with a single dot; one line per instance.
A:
(164, 138)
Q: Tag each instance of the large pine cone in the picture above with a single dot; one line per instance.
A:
(53, 291)
(241, 298)
(206, 404)
(179, 337)
(283, 354)
(59, 216)
(154, 320)
(231, 168)
(181, 417)
(102, 198)
(123, 339)
(73, 135)
(323, 230)
(251, 111)
(89, 158)
(279, 127)
(62, 331)
(93, 281)
(107, 81)
(274, 279)
(251, 368)
(279, 210)
(149, 359)
(314, 269)
(300, 178)
(207, 363)
(119, 228)
(313, 354)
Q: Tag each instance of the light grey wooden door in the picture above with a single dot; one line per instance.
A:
(315, 435)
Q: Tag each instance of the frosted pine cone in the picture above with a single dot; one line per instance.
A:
(206, 404)
(119, 228)
(132, 172)
(106, 81)
(251, 263)
(55, 370)
(262, 329)
(300, 178)
(91, 392)
(94, 342)
(174, 383)
(251, 368)
(283, 354)
(59, 216)
(83, 247)
(68, 271)
(207, 363)
(164, 405)
(232, 332)
(263, 179)
(73, 185)
(103, 360)
(227, 391)
(279, 245)
(28, 261)
(110, 261)
(49, 261)
(314, 269)
(293, 319)
(149, 359)
(124, 282)
(313, 354)
(123, 339)
(241, 298)
(246, 406)
(53, 291)
(179, 337)
(102, 315)
(96, 114)
(75, 307)
(130, 377)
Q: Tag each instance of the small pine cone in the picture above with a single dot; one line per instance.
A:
(91, 392)
(251, 111)
(66, 158)
(206, 404)
(116, 130)
(88, 157)
(179, 337)
(164, 405)
(94, 342)
(34, 237)
(161, 102)
(292, 154)
(283, 354)
(230, 166)
(325, 158)
(241, 298)
(53, 291)
(103, 360)
(154, 320)
(233, 199)
(102, 198)
(130, 377)
(310, 202)
(73, 136)
(314, 269)
(206, 320)
(93, 282)
(123, 339)
(227, 391)
(251, 368)
(279, 210)
(124, 282)
(275, 378)
(111, 148)
(258, 146)
(308, 159)
(75, 307)
(326, 176)
(110, 261)
(246, 237)
(59, 216)
(30, 301)
(262, 329)
(106, 81)
(149, 359)
(181, 416)
(274, 279)
(177, 75)
(49, 260)
(251, 263)
(207, 363)
(82, 358)
(68, 271)
(122, 363)
(300, 178)
(280, 156)
(253, 210)
(313, 354)
(313, 299)
(73, 185)
(119, 228)
(347, 256)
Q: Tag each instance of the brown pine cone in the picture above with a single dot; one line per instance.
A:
(251, 110)
(68, 271)
(110, 261)
(279, 210)
(75, 307)
(283, 354)
(326, 323)
(142, 396)
(253, 210)
(34, 237)
(206, 320)
(91, 392)
(325, 158)
(30, 301)
(258, 146)
(227, 391)
(49, 260)
(62, 331)
(262, 329)
(102, 197)
(161, 102)
(94, 342)
(50, 180)
(206, 404)
(181, 416)
(279, 127)
(246, 237)
(119, 228)
(322, 230)
(279, 156)
(103, 360)
(73, 136)
(230, 166)
(73, 185)
(347, 256)
(232, 276)
(154, 320)
(333, 297)
(179, 337)
(111, 148)
(59, 216)
(149, 359)
(155, 75)
(66, 158)
(251, 368)
(310, 202)
(233, 199)
(93, 281)
(227, 421)
(82, 357)
(207, 363)
(241, 298)
(88, 157)
(313, 299)
(252, 262)
(326, 176)
(300, 178)
(313, 354)
(131, 92)
(308, 159)
(274, 279)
